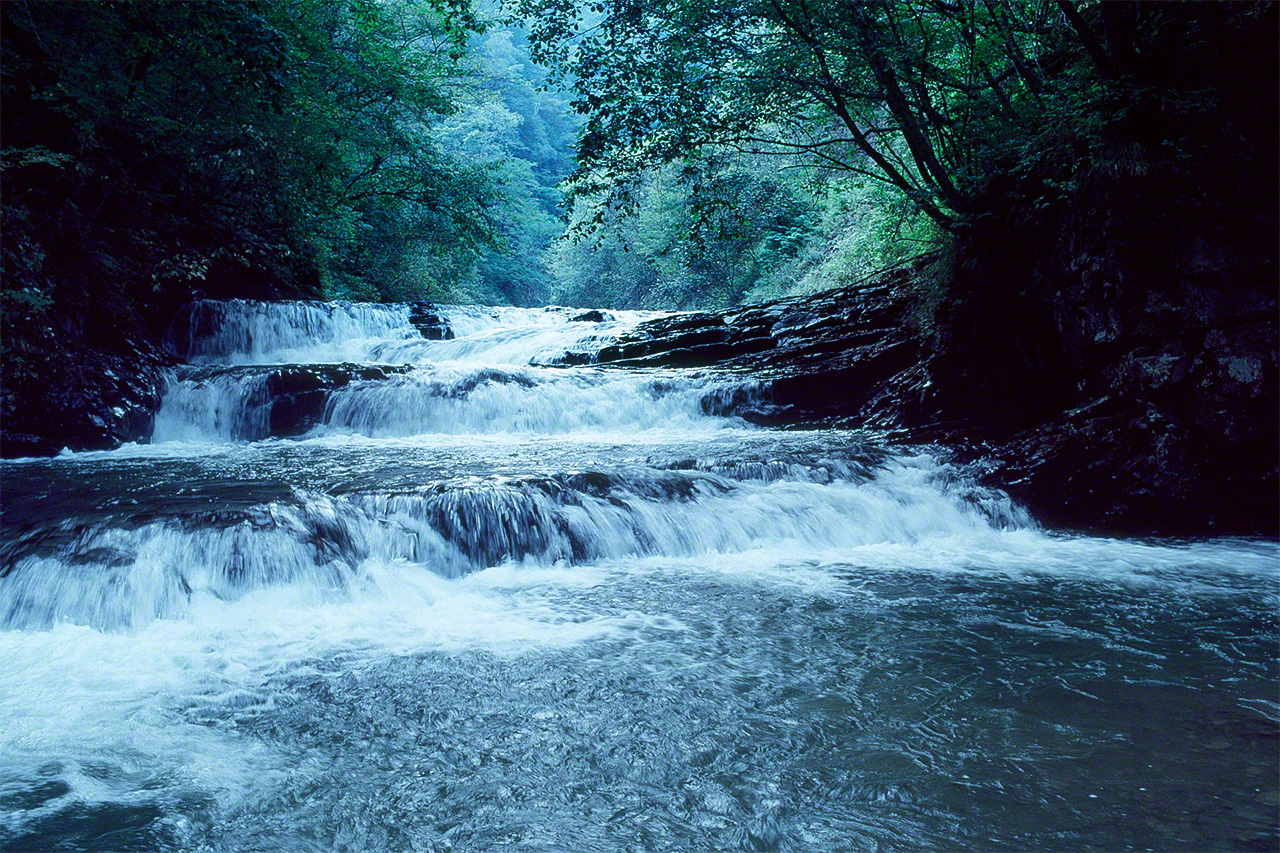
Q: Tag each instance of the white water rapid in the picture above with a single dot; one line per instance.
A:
(395, 577)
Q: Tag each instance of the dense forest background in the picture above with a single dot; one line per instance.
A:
(677, 154)
(1031, 159)
(374, 151)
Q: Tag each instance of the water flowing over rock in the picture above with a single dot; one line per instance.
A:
(1171, 428)
(263, 372)
(1166, 428)
(446, 577)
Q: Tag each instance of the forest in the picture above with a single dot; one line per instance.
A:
(639, 425)
(1054, 172)
(670, 155)
(1079, 188)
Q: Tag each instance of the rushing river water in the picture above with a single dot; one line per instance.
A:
(479, 601)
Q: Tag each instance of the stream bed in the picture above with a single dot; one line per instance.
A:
(367, 590)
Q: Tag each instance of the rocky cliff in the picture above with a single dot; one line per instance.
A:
(1156, 414)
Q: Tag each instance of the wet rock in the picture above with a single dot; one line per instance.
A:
(824, 357)
(591, 317)
(430, 323)
(1112, 412)
(91, 400)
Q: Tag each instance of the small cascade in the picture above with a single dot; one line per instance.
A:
(154, 564)
(241, 331)
(248, 404)
(289, 369)
(544, 401)
(215, 407)
(399, 577)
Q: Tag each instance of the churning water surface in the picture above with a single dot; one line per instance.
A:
(484, 602)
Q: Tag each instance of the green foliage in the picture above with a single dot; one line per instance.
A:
(902, 92)
(700, 238)
(523, 133)
(860, 228)
(901, 112)
(726, 150)
(989, 118)
(247, 148)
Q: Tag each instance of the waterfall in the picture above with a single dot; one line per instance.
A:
(399, 577)
(491, 375)
(242, 331)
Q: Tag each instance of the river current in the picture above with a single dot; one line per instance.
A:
(364, 590)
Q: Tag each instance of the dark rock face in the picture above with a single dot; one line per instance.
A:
(842, 357)
(427, 319)
(1156, 415)
(1177, 432)
(1135, 359)
(94, 400)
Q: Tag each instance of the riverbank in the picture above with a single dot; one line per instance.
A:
(1166, 427)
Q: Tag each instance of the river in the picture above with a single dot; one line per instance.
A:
(369, 591)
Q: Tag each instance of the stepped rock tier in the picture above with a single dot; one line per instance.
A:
(1167, 431)
(387, 577)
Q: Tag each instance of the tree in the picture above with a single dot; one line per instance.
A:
(248, 148)
(876, 88)
(523, 134)
(153, 152)
(938, 99)
(692, 241)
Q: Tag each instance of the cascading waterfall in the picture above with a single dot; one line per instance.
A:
(221, 407)
(391, 577)
(484, 379)
(526, 401)
(242, 331)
